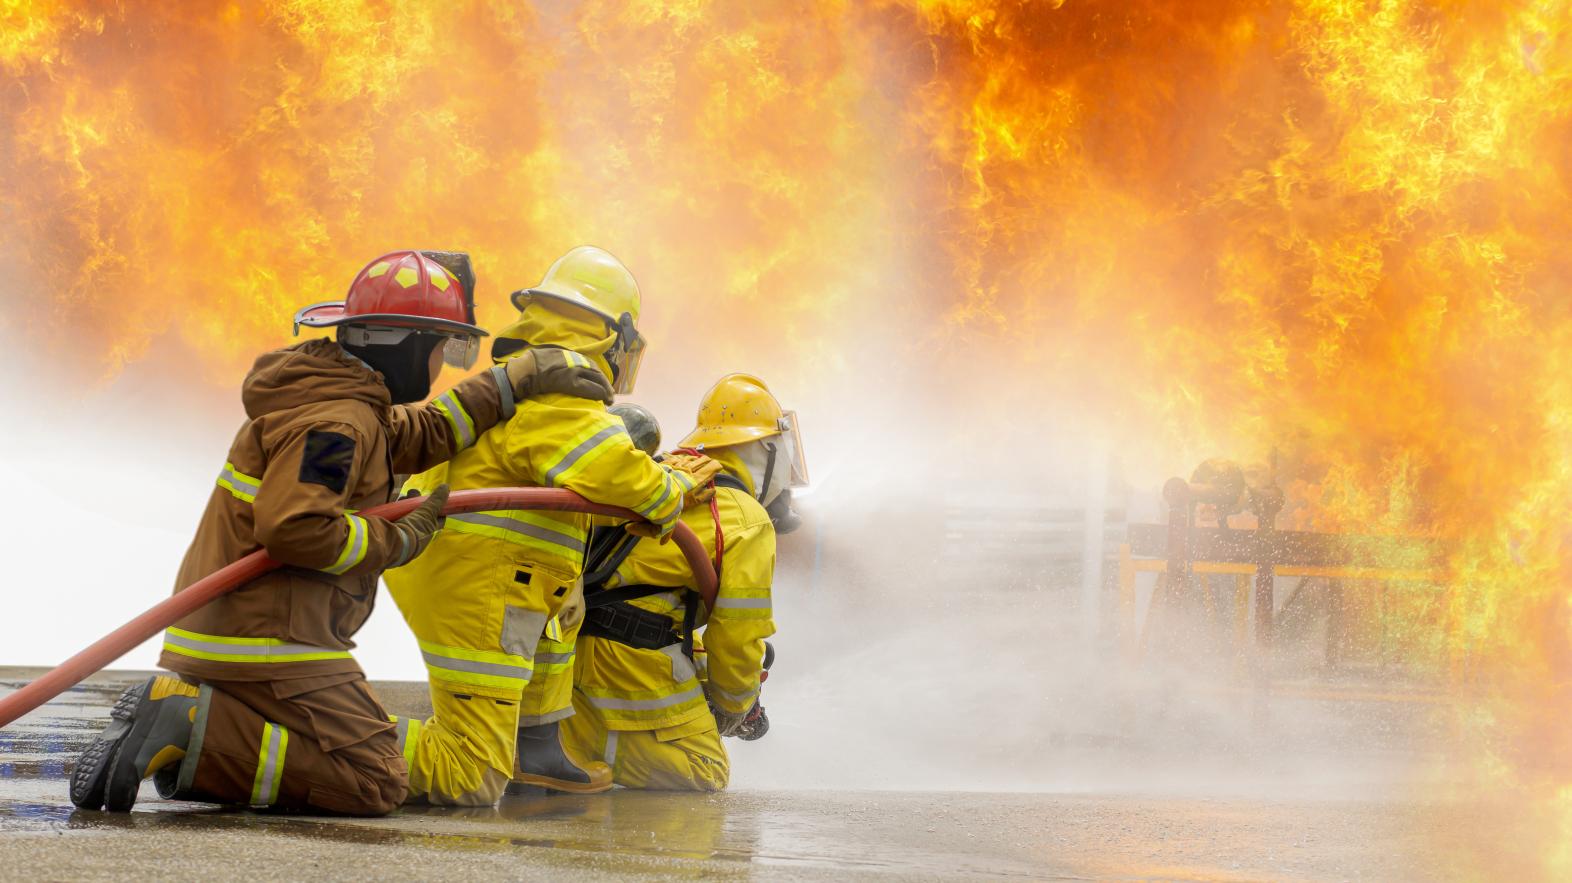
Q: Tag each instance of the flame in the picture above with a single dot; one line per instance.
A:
(1336, 228)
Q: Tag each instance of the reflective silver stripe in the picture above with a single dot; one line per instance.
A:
(265, 791)
(354, 547)
(499, 373)
(584, 447)
(520, 527)
(611, 704)
(735, 697)
(665, 495)
(244, 649)
(480, 668)
(753, 603)
(239, 481)
(611, 748)
(553, 658)
(458, 417)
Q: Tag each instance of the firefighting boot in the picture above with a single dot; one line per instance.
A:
(544, 762)
(150, 726)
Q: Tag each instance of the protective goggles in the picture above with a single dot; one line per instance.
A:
(791, 439)
(458, 350)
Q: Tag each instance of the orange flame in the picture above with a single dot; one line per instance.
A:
(1334, 227)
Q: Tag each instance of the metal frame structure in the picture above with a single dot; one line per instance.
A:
(1178, 550)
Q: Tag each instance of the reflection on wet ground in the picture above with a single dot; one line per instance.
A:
(631, 834)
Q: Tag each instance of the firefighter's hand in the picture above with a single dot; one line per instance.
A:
(551, 370)
(416, 529)
(729, 723)
(755, 725)
(700, 470)
(648, 530)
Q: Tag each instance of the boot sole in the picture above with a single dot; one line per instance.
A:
(561, 785)
(120, 785)
(90, 778)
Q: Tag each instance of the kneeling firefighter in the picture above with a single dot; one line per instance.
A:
(642, 704)
(272, 710)
(484, 600)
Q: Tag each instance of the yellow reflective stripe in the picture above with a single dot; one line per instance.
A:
(481, 668)
(554, 629)
(354, 550)
(636, 705)
(582, 450)
(575, 360)
(222, 648)
(553, 655)
(458, 418)
(658, 498)
(408, 735)
(243, 486)
(270, 765)
(533, 529)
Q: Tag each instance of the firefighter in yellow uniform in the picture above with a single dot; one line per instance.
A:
(480, 600)
(642, 704)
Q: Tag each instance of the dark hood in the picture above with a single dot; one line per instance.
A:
(314, 371)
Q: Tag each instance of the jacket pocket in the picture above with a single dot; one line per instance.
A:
(328, 613)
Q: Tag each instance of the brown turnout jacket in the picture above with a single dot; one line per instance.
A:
(322, 443)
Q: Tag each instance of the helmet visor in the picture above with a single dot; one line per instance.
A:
(791, 436)
(626, 360)
(461, 351)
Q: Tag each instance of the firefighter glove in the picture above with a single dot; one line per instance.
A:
(552, 370)
(649, 530)
(701, 471)
(416, 529)
(729, 723)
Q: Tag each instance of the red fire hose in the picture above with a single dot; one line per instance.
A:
(166, 613)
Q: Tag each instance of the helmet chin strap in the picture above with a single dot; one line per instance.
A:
(769, 471)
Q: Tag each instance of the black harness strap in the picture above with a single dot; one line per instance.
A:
(607, 612)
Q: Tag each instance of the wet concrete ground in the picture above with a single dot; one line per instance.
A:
(766, 834)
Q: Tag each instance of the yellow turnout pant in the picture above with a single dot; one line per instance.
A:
(686, 757)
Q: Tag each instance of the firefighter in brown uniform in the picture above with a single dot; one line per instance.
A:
(272, 710)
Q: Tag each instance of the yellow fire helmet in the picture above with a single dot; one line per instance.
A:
(738, 409)
(592, 279)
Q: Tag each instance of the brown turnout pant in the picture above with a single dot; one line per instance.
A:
(319, 744)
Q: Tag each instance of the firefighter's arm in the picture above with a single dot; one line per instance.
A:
(301, 504)
(421, 436)
(741, 620)
(598, 461)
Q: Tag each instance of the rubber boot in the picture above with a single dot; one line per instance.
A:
(149, 728)
(544, 762)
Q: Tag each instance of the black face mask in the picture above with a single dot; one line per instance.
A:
(781, 514)
(405, 366)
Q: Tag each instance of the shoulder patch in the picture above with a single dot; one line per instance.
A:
(328, 459)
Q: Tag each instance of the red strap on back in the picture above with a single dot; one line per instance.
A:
(720, 537)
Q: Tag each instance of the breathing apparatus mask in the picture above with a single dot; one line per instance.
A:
(403, 355)
(777, 465)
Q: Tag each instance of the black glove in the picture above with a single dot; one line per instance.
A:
(417, 528)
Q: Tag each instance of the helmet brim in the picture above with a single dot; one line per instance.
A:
(572, 298)
(332, 313)
(723, 436)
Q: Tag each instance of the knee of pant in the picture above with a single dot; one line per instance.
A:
(709, 773)
(385, 790)
(393, 790)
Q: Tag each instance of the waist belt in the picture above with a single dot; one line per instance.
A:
(607, 614)
(626, 624)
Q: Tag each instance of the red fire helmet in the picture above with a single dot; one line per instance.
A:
(401, 289)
